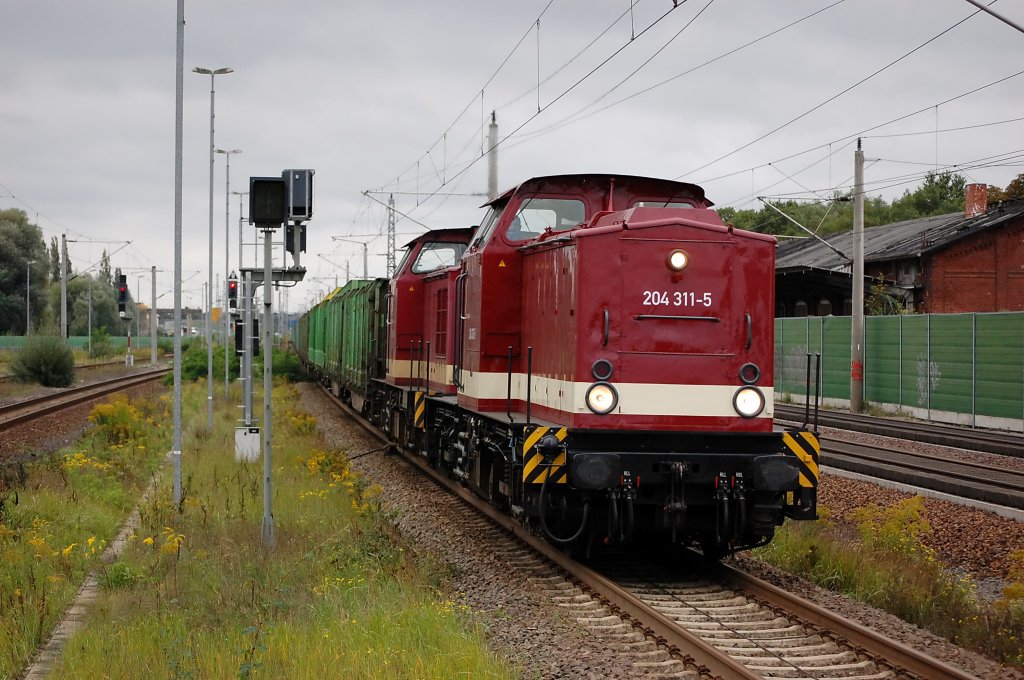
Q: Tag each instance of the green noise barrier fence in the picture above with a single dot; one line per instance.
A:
(962, 368)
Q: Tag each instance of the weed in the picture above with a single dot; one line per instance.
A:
(887, 564)
(46, 360)
(120, 576)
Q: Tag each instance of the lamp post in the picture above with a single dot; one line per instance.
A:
(366, 276)
(240, 194)
(227, 248)
(28, 298)
(213, 73)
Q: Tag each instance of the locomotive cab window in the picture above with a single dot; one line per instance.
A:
(537, 215)
(437, 255)
(483, 232)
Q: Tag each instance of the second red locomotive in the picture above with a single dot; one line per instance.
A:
(596, 357)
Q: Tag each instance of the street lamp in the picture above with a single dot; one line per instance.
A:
(28, 298)
(361, 243)
(227, 224)
(213, 73)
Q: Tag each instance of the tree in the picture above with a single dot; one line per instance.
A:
(1015, 189)
(105, 274)
(54, 253)
(20, 242)
(940, 194)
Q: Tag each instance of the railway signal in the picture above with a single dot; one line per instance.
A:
(233, 293)
(122, 294)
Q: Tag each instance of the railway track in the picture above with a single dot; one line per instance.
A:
(978, 481)
(988, 441)
(728, 626)
(28, 409)
(83, 367)
(964, 479)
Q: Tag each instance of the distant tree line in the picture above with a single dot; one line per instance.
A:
(939, 194)
(22, 242)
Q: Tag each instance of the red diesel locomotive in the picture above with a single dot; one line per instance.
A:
(596, 358)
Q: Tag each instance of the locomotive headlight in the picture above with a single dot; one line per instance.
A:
(748, 402)
(602, 398)
(678, 260)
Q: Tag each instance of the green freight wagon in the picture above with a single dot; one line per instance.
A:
(345, 336)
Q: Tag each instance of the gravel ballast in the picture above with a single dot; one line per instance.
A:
(524, 626)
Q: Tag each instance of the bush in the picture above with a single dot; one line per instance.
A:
(193, 363)
(101, 345)
(46, 360)
(285, 364)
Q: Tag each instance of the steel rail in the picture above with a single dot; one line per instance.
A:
(988, 441)
(960, 478)
(29, 409)
(899, 655)
(692, 648)
(677, 639)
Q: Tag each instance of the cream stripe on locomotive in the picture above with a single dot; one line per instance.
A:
(651, 399)
(403, 368)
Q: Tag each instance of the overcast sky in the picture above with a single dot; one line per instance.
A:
(394, 96)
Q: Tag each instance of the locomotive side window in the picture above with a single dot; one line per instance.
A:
(483, 232)
(437, 255)
(539, 214)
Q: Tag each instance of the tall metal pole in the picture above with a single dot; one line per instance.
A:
(28, 299)
(227, 226)
(857, 322)
(391, 236)
(492, 158)
(138, 314)
(64, 286)
(213, 73)
(178, 118)
(90, 314)
(152, 320)
(268, 384)
(240, 218)
(247, 338)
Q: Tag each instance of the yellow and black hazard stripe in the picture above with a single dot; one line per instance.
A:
(419, 410)
(807, 449)
(535, 468)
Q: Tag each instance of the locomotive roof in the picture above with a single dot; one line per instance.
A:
(644, 185)
(441, 232)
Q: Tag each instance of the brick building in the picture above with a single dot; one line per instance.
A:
(963, 262)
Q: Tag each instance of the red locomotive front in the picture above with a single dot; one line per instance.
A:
(613, 357)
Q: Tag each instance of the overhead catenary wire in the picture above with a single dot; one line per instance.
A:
(849, 139)
(565, 92)
(583, 113)
(829, 99)
(504, 61)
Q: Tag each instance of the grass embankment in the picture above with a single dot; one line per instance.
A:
(57, 515)
(196, 595)
(887, 564)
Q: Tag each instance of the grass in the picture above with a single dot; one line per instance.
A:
(196, 594)
(885, 563)
(57, 515)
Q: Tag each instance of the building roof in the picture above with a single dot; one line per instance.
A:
(892, 241)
